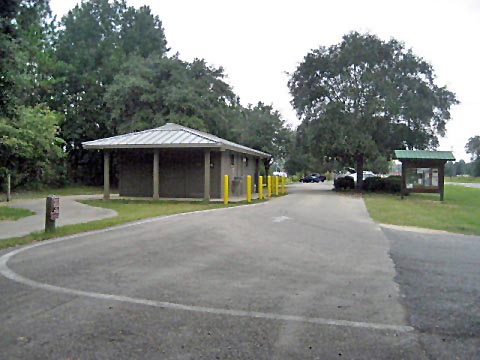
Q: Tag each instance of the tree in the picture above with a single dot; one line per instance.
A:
(150, 92)
(8, 61)
(96, 39)
(449, 169)
(262, 128)
(30, 147)
(473, 148)
(36, 36)
(460, 168)
(364, 97)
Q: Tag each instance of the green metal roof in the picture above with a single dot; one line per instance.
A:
(424, 155)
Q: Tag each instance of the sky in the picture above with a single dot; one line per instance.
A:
(258, 42)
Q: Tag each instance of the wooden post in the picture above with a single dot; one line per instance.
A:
(106, 175)
(9, 184)
(206, 181)
(156, 177)
(441, 180)
(52, 212)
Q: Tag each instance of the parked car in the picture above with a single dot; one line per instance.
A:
(366, 174)
(316, 178)
(351, 172)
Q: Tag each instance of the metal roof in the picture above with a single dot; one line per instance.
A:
(169, 136)
(424, 155)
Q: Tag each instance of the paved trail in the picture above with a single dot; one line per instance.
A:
(71, 212)
(306, 276)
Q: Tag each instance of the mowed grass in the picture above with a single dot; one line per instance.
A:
(463, 179)
(127, 210)
(459, 213)
(7, 213)
(63, 191)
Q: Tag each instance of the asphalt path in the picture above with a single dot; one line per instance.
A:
(470, 185)
(439, 277)
(71, 212)
(305, 276)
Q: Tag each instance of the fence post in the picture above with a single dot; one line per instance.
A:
(276, 185)
(249, 189)
(225, 189)
(260, 187)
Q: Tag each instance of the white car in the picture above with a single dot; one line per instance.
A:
(351, 172)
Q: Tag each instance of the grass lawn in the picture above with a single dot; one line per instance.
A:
(459, 213)
(7, 213)
(63, 191)
(128, 210)
(463, 179)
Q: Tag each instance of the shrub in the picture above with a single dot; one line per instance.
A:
(344, 183)
(392, 184)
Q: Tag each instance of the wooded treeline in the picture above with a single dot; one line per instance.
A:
(104, 69)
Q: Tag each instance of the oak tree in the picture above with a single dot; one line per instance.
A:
(365, 97)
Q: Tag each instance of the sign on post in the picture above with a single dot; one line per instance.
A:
(52, 212)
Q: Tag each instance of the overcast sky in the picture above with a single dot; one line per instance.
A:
(258, 41)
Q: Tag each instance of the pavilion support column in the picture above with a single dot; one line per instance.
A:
(403, 183)
(257, 173)
(106, 175)
(223, 168)
(206, 183)
(156, 170)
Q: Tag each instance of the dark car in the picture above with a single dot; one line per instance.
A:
(316, 178)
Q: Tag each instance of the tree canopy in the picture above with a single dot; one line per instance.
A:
(364, 97)
(148, 92)
(473, 148)
(30, 147)
(103, 70)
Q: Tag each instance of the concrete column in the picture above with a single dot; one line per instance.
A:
(206, 183)
(223, 169)
(156, 169)
(106, 175)
(257, 173)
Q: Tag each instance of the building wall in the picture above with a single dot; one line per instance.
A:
(181, 173)
(215, 175)
(135, 175)
(238, 171)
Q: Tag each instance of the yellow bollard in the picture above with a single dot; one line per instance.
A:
(276, 185)
(249, 189)
(283, 185)
(269, 186)
(260, 187)
(225, 189)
